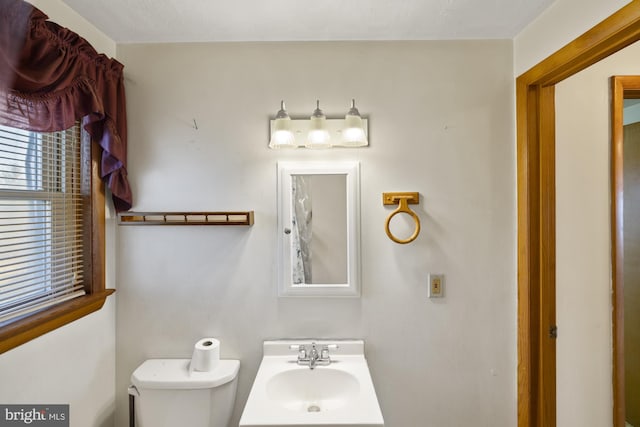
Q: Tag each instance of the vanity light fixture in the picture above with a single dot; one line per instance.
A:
(318, 131)
(353, 134)
(318, 136)
(281, 134)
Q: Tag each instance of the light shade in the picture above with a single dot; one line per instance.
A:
(353, 134)
(318, 136)
(282, 135)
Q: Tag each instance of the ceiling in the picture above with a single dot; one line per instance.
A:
(148, 21)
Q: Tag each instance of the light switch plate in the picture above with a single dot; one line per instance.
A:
(436, 285)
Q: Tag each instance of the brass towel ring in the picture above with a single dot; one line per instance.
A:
(403, 200)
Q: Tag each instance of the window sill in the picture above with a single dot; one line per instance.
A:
(24, 330)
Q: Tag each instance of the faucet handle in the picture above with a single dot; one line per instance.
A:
(324, 354)
(301, 349)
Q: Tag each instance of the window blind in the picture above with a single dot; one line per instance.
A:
(41, 239)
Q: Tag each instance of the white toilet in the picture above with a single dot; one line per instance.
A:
(167, 394)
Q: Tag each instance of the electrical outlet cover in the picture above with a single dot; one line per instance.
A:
(436, 285)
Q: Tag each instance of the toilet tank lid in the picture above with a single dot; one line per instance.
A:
(173, 374)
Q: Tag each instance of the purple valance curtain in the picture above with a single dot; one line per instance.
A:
(50, 77)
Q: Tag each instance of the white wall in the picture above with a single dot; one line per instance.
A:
(440, 123)
(583, 241)
(561, 23)
(72, 364)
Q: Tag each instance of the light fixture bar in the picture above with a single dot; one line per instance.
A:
(317, 131)
(300, 130)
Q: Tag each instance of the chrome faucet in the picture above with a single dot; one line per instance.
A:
(312, 357)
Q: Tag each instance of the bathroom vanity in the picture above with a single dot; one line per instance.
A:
(313, 383)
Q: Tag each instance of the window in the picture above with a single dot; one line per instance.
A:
(51, 77)
(51, 232)
(40, 220)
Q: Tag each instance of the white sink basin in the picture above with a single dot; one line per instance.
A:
(287, 394)
(306, 390)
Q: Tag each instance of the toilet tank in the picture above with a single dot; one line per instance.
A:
(167, 394)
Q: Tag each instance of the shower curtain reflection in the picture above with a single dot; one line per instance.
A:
(302, 232)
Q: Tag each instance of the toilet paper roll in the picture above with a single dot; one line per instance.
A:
(206, 355)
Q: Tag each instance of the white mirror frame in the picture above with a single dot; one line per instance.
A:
(286, 287)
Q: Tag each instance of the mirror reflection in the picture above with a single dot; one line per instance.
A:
(319, 229)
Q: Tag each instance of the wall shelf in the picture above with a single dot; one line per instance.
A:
(186, 218)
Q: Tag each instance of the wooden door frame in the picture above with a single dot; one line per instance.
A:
(621, 87)
(535, 118)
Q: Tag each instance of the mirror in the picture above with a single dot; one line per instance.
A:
(318, 229)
